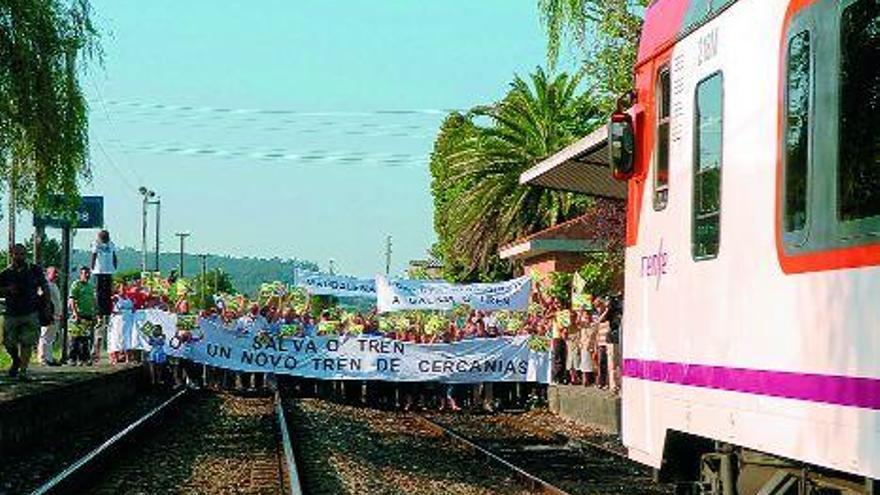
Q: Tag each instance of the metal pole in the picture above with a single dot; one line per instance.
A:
(388, 255)
(158, 204)
(11, 211)
(147, 194)
(144, 235)
(39, 234)
(182, 235)
(204, 283)
(65, 288)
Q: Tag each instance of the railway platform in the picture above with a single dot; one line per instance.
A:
(586, 405)
(57, 397)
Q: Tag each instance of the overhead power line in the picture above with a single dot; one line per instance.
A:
(279, 111)
(277, 154)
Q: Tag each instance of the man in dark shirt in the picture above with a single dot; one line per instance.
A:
(19, 284)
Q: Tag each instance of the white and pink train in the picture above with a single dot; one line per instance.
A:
(751, 334)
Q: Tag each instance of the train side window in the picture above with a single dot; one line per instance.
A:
(798, 87)
(708, 126)
(661, 158)
(858, 173)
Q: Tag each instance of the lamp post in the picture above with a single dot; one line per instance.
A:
(388, 255)
(182, 236)
(147, 194)
(158, 204)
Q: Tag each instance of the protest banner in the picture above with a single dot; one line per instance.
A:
(125, 330)
(320, 284)
(501, 359)
(398, 295)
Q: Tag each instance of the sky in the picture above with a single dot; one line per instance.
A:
(295, 128)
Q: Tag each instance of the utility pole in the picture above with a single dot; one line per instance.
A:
(182, 235)
(147, 194)
(388, 255)
(10, 213)
(204, 284)
(64, 280)
(39, 235)
(158, 204)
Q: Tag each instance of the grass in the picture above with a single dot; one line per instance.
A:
(6, 361)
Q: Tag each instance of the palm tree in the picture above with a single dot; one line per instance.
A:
(478, 158)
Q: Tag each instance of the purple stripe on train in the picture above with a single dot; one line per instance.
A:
(829, 389)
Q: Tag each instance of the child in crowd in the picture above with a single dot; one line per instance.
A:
(157, 358)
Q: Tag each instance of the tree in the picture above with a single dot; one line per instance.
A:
(43, 112)
(50, 253)
(476, 163)
(215, 281)
(603, 269)
(606, 33)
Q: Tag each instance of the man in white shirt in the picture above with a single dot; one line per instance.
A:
(49, 333)
(104, 263)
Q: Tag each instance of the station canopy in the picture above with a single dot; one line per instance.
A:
(581, 167)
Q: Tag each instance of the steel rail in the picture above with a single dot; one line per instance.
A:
(530, 479)
(77, 467)
(294, 484)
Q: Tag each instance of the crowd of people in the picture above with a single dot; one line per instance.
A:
(583, 341)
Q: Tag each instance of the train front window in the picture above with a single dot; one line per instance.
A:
(797, 109)
(858, 175)
(661, 173)
(708, 120)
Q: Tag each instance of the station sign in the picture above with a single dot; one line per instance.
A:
(88, 215)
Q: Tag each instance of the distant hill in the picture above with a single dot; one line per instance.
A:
(247, 273)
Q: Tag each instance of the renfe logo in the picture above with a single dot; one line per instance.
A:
(654, 265)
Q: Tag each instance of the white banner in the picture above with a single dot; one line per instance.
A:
(502, 359)
(333, 285)
(397, 295)
(125, 328)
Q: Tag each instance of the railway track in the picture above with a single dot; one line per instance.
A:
(548, 461)
(192, 443)
(355, 450)
(220, 443)
(350, 449)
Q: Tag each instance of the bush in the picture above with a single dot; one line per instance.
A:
(560, 287)
(126, 276)
(601, 273)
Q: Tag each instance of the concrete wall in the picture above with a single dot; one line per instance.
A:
(24, 420)
(586, 405)
(554, 262)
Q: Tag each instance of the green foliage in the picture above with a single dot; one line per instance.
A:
(214, 281)
(479, 204)
(43, 112)
(602, 272)
(126, 276)
(560, 287)
(318, 304)
(50, 253)
(606, 33)
(246, 274)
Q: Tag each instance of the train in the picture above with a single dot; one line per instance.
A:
(750, 147)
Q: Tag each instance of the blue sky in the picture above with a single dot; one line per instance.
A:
(291, 128)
